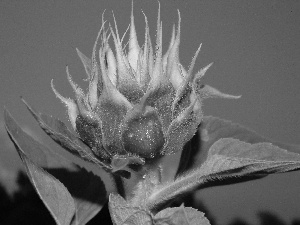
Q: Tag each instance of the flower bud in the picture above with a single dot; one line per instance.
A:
(89, 132)
(143, 135)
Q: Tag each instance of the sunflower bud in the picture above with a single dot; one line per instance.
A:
(143, 135)
(140, 103)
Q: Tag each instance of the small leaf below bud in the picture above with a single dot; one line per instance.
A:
(143, 135)
(119, 162)
(90, 132)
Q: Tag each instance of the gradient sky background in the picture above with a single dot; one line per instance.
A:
(254, 46)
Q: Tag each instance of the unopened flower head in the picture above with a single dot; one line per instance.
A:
(140, 103)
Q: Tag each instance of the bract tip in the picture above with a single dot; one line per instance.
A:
(69, 103)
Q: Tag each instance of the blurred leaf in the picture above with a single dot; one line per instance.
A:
(229, 158)
(180, 216)
(60, 133)
(123, 213)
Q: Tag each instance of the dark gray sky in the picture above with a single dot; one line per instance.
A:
(254, 46)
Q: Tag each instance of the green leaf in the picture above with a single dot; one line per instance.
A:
(91, 198)
(229, 158)
(53, 193)
(135, 211)
(89, 131)
(112, 115)
(180, 216)
(183, 128)
(60, 133)
(212, 129)
(263, 158)
(87, 189)
(123, 213)
(37, 152)
(161, 99)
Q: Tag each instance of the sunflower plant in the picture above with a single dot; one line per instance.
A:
(141, 108)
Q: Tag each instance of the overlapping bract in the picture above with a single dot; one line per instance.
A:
(140, 104)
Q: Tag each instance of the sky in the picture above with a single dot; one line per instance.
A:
(254, 46)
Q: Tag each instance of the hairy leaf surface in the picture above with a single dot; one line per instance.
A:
(229, 158)
(38, 153)
(212, 129)
(87, 189)
(53, 193)
(123, 213)
(180, 216)
(91, 199)
(60, 133)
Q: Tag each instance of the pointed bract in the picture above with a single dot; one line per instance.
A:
(183, 128)
(134, 48)
(70, 104)
(126, 82)
(87, 63)
(166, 55)
(173, 67)
(207, 91)
(111, 66)
(140, 104)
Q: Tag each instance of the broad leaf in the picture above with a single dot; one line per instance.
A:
(211, 130)
(87, 189)
(180, 216)
(53, 193)
(123, 212)
(87, 209)
(263, 158)
(60, 133)
(229, 158)
(90, 199)
(38, 153)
